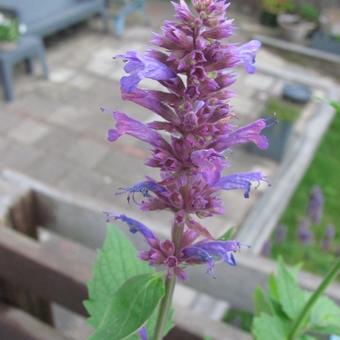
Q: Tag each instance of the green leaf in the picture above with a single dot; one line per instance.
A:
(325, 317)
(267, 327)
(336, 105)
(116, 262)
(291, 296)
(227, 235)
(272, 288)
(274, 298)
(307, 337)
(261, 304)
(130, 307)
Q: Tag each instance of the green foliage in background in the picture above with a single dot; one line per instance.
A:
(308, 12)
(9, 30)
(123, 292)
(278, 6)
(277, 312)
(323, 171)
(283, 110)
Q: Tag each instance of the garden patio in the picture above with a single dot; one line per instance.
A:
(53, 141)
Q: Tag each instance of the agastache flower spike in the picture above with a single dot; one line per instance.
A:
(315, 206)
(195, 66)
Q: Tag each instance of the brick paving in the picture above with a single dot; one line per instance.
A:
(55, 132)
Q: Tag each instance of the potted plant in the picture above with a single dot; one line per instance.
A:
(297, 25)
(328, 37)
(272, 8)
(9, 30)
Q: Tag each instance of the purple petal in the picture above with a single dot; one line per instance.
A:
(132, 127)
(247, 55)
(135, 226)
(141, 66)
(141, 187)
(240, 181)
(211, 251)
(143, 334)
(210, 163)
(155, 101)
(245, 134)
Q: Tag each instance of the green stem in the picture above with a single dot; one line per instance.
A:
(170, 283)
(313, 299)
(164, 307)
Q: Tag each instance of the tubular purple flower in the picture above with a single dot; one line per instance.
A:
(132, 127)
(240, 181)
(155, 101)
(247, 55)
(140, 66)
(135, 227)
(281, 233)
(143, 334)
(143, 188)
(210, 163)
(305, 234)
(209, 252)
(245, 134)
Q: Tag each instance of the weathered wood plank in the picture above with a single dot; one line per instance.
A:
(40, 269)
(204, 327)
(18, 211)
(52, 275)
(298, 48)
(17, 325)
(237, 284)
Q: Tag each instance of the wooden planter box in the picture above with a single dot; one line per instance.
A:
(38, 266)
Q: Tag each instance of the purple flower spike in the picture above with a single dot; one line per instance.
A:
(240, 181)
(195, 64)
(281, 233)
(140, 66)
(266, 249)
(247, 55)
(328, 237)
(304, 232)
(315, 206)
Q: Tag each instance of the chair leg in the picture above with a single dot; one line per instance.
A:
(105, 18)
(118, 25)
(42, 58)
(6, 73)
(29, 65)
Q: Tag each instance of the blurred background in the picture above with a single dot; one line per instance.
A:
(57, 71)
